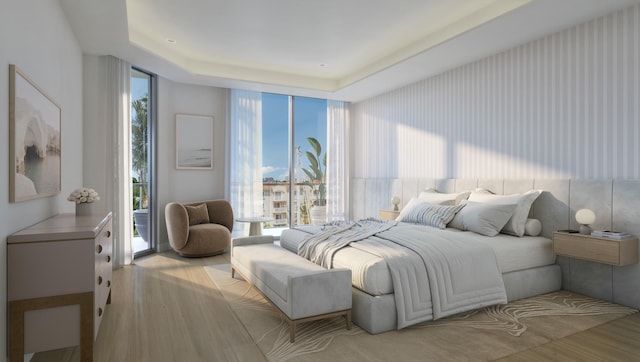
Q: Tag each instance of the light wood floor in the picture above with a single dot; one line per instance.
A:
(166, 308)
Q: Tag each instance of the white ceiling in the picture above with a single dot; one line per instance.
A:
(338, 49)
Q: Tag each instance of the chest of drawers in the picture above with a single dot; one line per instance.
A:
(58, 283)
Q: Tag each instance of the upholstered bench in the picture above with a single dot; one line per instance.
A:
(300, 289)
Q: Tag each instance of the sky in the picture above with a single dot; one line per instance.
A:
(310, 117)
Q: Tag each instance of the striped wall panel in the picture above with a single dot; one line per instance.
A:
(563, 106)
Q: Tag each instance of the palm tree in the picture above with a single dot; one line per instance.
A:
(140, 165)
(316, 174)
(139, 147)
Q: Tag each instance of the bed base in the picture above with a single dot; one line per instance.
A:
(377, 314)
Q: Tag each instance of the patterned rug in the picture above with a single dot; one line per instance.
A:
(480, 335)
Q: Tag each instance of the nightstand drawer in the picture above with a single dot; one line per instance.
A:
(601, 250)
(388, 214)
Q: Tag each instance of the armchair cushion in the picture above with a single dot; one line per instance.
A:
(198, 214)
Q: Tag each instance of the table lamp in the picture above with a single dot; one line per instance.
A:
(395, 201)
(585, 217)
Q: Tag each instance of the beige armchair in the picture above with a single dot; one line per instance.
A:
(199, 228)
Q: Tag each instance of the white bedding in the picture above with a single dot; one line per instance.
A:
(370, 273)
(435, 273)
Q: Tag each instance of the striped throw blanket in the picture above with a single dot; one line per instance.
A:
(320, 248)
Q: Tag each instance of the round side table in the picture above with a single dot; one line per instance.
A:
(255, 226)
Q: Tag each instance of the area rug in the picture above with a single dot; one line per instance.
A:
(481, 335)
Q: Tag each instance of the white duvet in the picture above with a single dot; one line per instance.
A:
(434, 274)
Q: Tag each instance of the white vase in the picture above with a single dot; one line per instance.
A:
(318, 215)
(84, 209)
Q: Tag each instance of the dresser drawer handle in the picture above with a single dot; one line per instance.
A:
(99, 248)
(99, 312)
(108, 233)
(108, 258)
(99, 280)
(108, 283)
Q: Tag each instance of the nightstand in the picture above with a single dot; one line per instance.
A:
(601, 250)
(388, 214)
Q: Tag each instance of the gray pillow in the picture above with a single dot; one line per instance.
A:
(198, 214)
(431, 215)
(515, 225)
(485, 219)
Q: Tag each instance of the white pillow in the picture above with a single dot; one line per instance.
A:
(412, 202)
(481, 218)
(431, 215)
(515, 226)
(438, 198)
(533, 227)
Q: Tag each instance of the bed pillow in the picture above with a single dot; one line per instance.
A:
(198, 214)
(431, 215)
(533, 227)
(515, 226)
(482, 218)
(438, 198)
(412, 202)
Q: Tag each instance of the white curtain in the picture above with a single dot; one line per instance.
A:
(337, 161)
(245, 163)
(112, 169)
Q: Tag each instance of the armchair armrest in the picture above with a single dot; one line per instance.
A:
(177, 219)
(220, 212)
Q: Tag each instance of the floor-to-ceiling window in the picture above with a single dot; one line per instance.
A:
(294, 139)
(142, 115)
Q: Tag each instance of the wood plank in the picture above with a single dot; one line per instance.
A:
(618, 340)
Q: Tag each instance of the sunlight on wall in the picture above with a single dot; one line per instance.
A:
(471, 161)
(563, 106)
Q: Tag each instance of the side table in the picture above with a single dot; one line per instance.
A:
(388, 214)
(255, 226)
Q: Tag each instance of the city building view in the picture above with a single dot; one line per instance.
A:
(277, 196)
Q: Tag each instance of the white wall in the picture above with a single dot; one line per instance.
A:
(187, 185)
(36, 37)
(171, 184)
(564, 106)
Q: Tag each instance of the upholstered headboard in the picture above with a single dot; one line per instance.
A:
(615, 202)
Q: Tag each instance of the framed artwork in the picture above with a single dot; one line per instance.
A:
(35, 145)
(194, 142)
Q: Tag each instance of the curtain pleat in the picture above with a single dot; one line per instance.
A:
(117, 116)
(245, 152)
(337, 160)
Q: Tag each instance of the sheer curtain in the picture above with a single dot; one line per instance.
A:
(245, 149)
(107, 159)
(337, 161)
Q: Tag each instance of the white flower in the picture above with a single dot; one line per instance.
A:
(83, 195)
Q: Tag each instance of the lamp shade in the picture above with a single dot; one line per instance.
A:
(585, 217)
(395, 201)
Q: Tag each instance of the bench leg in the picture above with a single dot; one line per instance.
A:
(347, 317)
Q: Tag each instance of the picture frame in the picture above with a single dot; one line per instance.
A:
(194, 142)
(35, 140)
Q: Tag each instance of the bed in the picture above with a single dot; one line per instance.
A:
(525, 266)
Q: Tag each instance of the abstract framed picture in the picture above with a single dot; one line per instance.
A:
(194, 142)
(35, 146)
